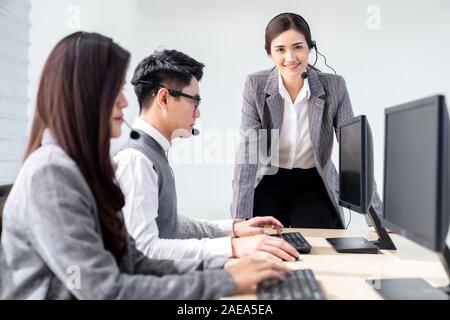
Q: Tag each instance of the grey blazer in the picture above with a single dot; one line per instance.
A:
(329, 106)
(52, 247)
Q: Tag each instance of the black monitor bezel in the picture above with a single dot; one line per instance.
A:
(438, 101)
(364, 165)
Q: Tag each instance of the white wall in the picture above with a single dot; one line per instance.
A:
(14, 28)
(51, 20)
(404, 59)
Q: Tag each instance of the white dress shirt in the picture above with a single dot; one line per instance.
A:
(139, 183)
(295, 146)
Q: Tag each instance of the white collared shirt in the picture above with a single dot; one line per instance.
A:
(295, 146)
(139, 182)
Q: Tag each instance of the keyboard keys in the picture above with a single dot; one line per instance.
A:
(301, 278)
(317, 292)
(296, 240)
(300, 285)
(296, 290)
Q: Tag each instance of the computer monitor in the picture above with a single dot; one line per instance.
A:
(416, 173)
(357, 185)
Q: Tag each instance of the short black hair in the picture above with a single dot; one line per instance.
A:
(170, 68)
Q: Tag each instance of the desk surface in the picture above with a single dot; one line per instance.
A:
(343, 276)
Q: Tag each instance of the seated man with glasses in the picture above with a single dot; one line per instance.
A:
(167, 87)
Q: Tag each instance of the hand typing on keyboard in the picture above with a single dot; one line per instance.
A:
(274, 246)
(255, 226)
(296, 240)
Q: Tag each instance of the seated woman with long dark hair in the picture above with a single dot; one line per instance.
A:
(63, 233)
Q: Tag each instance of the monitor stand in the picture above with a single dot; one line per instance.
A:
(407, 289)
(445, 260)
(362, 245)
(414, 288)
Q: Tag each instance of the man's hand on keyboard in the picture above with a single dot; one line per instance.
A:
(256, 226)
(263, 243)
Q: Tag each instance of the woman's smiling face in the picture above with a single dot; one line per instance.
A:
(290, 52)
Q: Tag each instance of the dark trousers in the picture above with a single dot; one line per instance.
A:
(296, 197)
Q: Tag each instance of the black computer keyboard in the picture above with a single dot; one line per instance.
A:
(296, 240)
(300, 285)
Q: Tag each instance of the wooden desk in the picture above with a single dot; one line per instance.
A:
(343, 276)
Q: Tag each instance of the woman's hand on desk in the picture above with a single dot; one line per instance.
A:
(249, 271)
(256, 226)
(263, 243)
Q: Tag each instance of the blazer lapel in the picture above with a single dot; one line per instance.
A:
(275, 107)
(315, 113)
(315, 110)
(274, 113)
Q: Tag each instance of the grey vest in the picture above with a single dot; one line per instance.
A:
(167, 219)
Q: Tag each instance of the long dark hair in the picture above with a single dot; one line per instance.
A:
(284, 22)
(79, 84)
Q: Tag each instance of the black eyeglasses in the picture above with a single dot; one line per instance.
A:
(175, 93)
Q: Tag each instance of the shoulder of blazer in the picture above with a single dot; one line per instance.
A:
(261, 74)
(51, 164)
(320, 82)
(259, 79)
(330, 82)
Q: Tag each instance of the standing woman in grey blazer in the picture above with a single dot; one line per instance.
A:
(63, 232)
(283, 165)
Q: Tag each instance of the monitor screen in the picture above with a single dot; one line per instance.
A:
(350, 163)
(411, 177)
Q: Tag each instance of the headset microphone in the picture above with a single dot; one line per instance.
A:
(305, 73)
(195, 132)
(133, 134)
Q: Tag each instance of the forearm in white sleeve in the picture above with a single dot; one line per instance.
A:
(158, 248)
(199, 228)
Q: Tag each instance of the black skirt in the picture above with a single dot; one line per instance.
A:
(296, 197)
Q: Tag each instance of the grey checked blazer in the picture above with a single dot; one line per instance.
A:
(329, 106)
